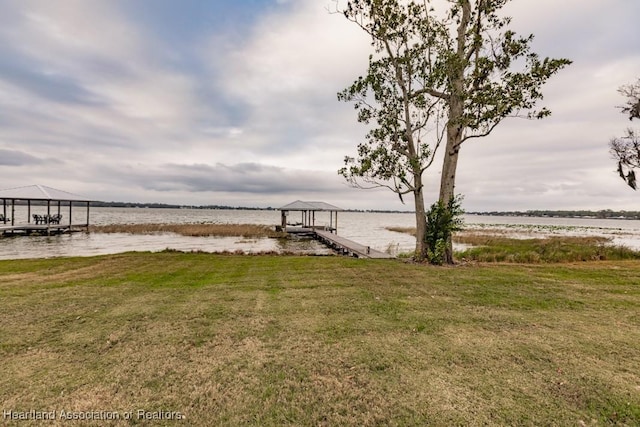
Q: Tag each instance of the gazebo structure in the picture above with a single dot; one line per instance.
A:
(53, 199)
(327, 235)
(308, 214)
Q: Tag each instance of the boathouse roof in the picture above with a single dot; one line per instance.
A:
(41, 192)
(299, 205)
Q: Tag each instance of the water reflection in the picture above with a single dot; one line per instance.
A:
(90, 244)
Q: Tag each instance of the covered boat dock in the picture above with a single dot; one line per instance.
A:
(308, 212)
(327, 234)
(39, 197)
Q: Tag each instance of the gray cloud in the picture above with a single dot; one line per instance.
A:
(155, 113)
(58, 88)
(240, 178)
(18, 158)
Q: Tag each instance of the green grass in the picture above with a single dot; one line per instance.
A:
(262, 340)
(489, 248)
(555, 249)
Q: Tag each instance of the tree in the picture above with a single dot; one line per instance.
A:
(392, 95)
(632, 92)
(626, 150)
(485, 73)
(465, 67)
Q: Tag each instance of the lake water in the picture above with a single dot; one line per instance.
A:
(363, 227)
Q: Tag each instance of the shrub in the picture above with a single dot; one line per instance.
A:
(442, 221)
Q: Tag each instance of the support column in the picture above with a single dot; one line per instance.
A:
(48, 217)
(13, 212)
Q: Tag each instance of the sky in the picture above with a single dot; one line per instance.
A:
(233, 102)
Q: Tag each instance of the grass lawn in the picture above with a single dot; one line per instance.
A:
(320, 341)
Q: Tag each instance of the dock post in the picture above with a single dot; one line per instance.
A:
(48, 217)
(283, 220)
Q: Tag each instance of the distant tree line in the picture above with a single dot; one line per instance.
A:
(171, 206)
(601, 214)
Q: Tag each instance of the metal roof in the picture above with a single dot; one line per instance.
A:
(299, 205)
(40, 192)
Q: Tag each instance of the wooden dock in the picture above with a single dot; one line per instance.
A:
(40, 228)
(340, 244)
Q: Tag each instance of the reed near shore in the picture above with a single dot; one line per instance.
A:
(499, 247)
(194, 230)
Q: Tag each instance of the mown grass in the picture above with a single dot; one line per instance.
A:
(220, 230)
(270, 341)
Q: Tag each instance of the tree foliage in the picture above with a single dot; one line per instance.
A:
(391, 97)
(632, 107)
(626, 150)
(488, 68)
(442, 221)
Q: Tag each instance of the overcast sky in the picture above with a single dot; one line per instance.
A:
(234, 102)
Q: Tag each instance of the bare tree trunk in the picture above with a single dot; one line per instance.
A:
(447, 187)
(450, 163)
(455, 127)
(421, 223)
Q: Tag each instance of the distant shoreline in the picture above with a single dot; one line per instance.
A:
(547, 213)
(601, 214)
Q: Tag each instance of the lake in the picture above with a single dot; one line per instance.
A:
(367, 228)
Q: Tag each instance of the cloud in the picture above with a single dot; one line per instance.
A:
(286, 76)
(48, 85)
(18, 158)
(236, 101)
(251, 178)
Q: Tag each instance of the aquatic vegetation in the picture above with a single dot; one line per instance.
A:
(490, 248)
(204, 229)
(533, 244)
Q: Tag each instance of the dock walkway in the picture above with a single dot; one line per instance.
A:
(39, 228)
(341, 244)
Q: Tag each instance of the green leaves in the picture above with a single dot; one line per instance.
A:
(442, 221)
(392, 96)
